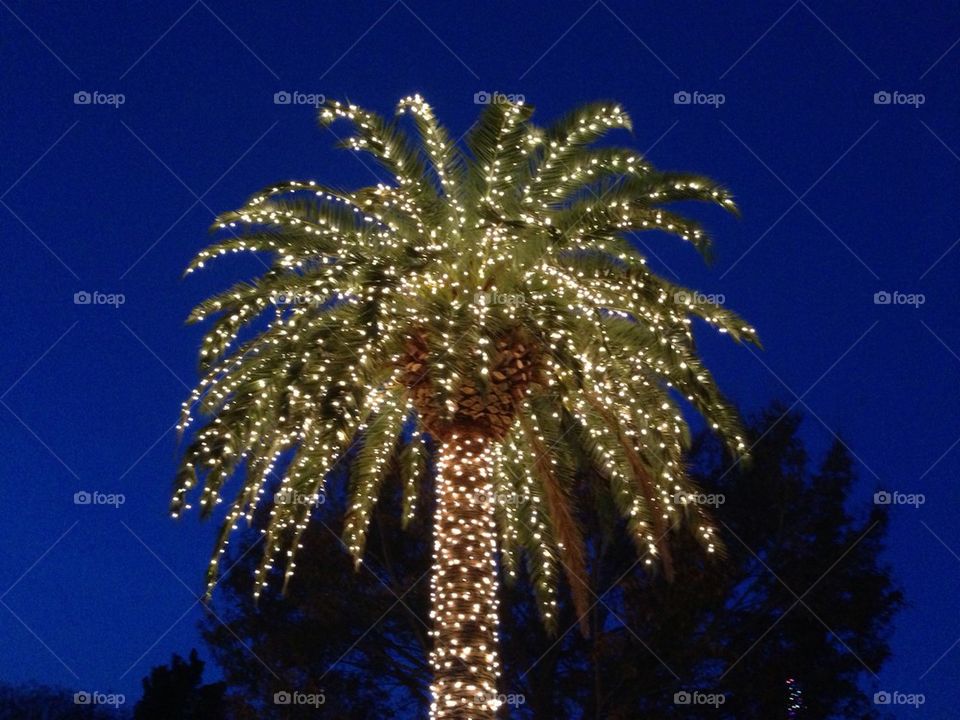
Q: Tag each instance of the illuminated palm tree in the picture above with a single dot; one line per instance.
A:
(487, 297)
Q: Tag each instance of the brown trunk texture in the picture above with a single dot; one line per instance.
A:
(464, 583)
(464, 602)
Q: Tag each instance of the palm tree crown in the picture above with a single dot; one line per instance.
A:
(489, 290)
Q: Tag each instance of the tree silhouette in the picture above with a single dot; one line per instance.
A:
(175, 692)
(30, 701)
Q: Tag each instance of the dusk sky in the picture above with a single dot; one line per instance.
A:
(837, 128)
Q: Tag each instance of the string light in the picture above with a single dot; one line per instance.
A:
(464, 582)
(794, 698)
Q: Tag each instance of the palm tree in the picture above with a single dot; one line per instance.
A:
(488, 298)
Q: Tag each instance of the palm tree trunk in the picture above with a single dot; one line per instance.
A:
(464, 583)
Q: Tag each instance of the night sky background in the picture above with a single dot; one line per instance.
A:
(841, 198)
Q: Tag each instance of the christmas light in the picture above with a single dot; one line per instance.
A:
(464, 582)
(794, 699)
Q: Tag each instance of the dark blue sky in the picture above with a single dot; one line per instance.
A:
(842, 198)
